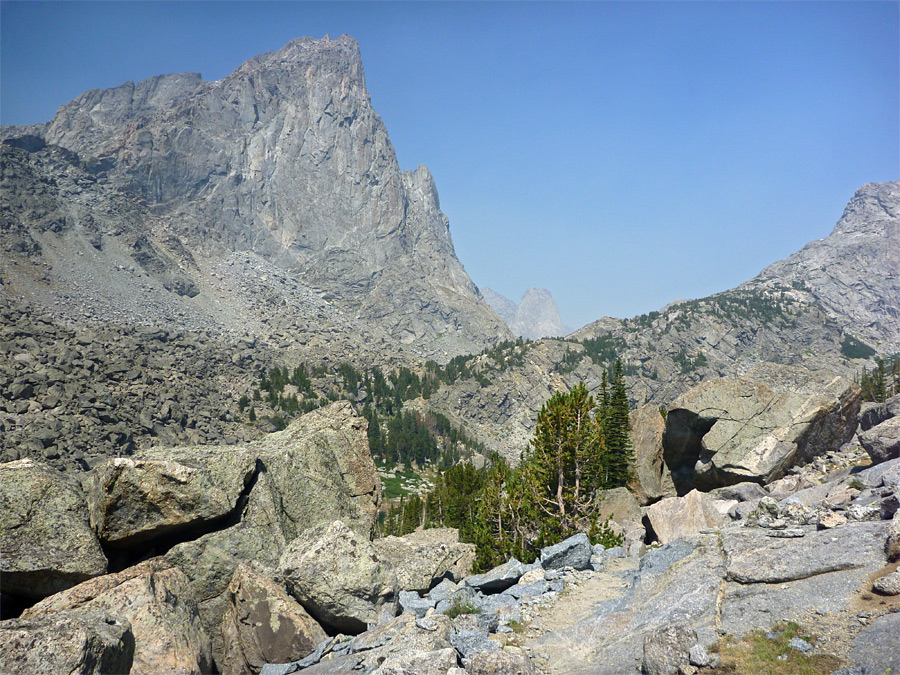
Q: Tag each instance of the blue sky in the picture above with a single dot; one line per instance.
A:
(622, 155)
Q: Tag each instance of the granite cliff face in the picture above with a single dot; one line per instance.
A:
(284, 160)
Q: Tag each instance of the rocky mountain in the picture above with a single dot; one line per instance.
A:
(536, 316)
(283, 165)
(844, 315)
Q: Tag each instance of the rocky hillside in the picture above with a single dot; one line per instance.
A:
(536, 316)
(836, 321)
(283, 165)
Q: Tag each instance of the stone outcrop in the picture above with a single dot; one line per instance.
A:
(757, 426)
(156, 599)
(45, 533)
(263, 624)
(336, 575)
(421, 559)
(88, 642)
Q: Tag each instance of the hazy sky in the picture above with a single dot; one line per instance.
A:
(622, 155)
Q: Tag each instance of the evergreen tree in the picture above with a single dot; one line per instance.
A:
(619, 455)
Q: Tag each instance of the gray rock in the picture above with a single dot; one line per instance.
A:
(892, 541)
(652, 477)
(873, 414)
(45, 533)
(468, 642)
(410, 601)
(755, 558)
(800, 645)
(464, 595)
(889, 584)
(78, 641)
(742, 492)
(882, 441)
(875, 647)
(335, 574)
(658, 560)
(519, 590)
(573, 552)
(442, 590)
(666, 650)
(498, 579)
(698, 656)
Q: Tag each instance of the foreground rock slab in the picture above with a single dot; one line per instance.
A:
(156, 600)
(80, 641)
(45, 533)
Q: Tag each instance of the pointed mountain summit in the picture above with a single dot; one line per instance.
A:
(286, 160)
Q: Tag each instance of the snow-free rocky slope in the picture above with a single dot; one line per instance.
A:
(284, 162)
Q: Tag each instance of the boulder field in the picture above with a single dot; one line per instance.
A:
(259, 558)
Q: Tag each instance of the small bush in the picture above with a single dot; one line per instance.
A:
(458, 607)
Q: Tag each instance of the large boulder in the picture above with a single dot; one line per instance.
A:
(666, 650)
(882, 441)
(338, 578)
(652, 479)
(317, 469)
(263, 624)
(133, 501)
(422, 559)
(757, 426)
(157, 601)
(45, 533)
(83, 642)
(678, 517)
(620, 506)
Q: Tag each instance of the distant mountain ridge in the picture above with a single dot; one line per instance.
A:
(536, 316)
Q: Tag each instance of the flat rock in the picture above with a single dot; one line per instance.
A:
(76, 641)
(755, 558)
(45, 532)
(875, 647)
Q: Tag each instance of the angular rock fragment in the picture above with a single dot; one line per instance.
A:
(572, 552)
(45, 533)
(263, 624)
(77, 641)
(421, 558)
(156, 599)
(667, 649)
(677, 517)
(336, 575)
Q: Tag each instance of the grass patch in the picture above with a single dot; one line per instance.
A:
(458, 607)
(757, 654)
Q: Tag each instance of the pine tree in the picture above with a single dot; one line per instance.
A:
(619, 455)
